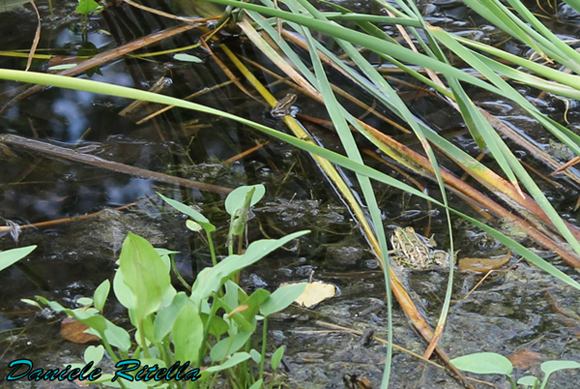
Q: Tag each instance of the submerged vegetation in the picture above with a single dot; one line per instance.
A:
(313, 45)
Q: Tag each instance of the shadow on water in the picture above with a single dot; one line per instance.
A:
(504, 315)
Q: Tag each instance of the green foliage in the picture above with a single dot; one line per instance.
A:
(218, 319)
(184, 57)
(85, 7)
(10, 257)
(492, 363)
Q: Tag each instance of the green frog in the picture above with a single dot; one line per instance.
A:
(415, 251)
(284, 106)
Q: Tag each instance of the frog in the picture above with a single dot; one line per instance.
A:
(284, 106)
(416, 252)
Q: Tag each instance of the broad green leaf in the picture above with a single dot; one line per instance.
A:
(101, 327)
(282, 298)
(256, 356)
(165, 318)
(9, 257)
(229, 345)
(553, 366)
(239, 321)
(254, 302)
(187, 334)
(123, 293)
(257, 384)
(146, 275)
(529, 381)
(231, 296)
(211, 279)
(237, 198)
(193, 225)
(101, 294)
(277, 357)
(85, 7)
(484, 363)
(239, 219)
(31, 302)
(84, 301)
(233, 361)
(117, 336)
(218, 325)
(164, 254)
(94, 354)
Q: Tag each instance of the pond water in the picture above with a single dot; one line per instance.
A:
(511, 312)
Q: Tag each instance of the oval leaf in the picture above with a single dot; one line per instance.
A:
(553, 366)
(277, 357)
(101, 294)
(484, 363)
(236, 199)
(282, 298)
(186, 58)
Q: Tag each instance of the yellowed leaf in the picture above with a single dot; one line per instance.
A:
(315, 293)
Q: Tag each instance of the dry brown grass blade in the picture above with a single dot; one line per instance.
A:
(421, 325)
(245, 153)
(64, 220)
(106, 57)
(92, 160)
(565, 166)
(36, 36)
(229, 74)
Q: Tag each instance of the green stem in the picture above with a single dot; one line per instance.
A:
(211, 247)
(179, 277)
(206, 327)
(264, 341)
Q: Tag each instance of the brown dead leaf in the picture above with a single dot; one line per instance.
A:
(525, 358)
(73, 331)
(483, 265)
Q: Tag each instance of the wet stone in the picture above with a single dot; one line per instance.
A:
(342, 254)
(111, 227)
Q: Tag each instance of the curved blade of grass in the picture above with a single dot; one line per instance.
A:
(347, 139)
(569, 80)
(121, 91)
(571, 58)
(505, 20)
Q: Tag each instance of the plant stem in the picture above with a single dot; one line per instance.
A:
(264, 341)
